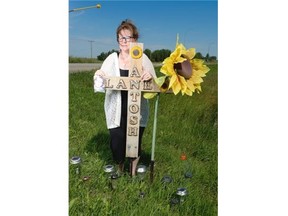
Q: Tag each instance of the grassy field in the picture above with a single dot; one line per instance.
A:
(185, 124)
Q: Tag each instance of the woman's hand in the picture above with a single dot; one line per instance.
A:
(100, 73)
(146, 76)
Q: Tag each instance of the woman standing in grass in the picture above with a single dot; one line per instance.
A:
(115, 105)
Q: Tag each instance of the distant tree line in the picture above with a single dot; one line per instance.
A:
(154, 56)
(103, 55)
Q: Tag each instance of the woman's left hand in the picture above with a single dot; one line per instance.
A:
(146, 76)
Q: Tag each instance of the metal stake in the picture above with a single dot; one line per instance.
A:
(153, 139)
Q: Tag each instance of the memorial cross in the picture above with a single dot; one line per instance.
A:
(135, 86)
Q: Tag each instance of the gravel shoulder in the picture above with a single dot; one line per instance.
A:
(81, 67)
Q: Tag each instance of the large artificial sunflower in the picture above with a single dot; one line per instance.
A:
(182, 72)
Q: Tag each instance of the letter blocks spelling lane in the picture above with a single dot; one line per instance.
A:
(135, 86)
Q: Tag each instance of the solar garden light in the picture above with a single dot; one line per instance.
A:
(181, 192)
(75, 161)
(141, 194)
(188, 174)
(166, 180)
(114, 176)
(109, 170)
(110, 175)
(141, 170)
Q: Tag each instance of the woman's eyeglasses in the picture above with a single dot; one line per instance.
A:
(127, 39)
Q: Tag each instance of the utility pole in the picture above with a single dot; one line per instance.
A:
(208, 56)
(91, 41)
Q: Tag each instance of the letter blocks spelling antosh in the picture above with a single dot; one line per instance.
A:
(135, 86)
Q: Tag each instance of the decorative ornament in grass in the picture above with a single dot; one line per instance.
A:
(183, 72)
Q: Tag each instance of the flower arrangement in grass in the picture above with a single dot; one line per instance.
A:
(182, 72)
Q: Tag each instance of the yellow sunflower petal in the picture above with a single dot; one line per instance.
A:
(168, 68)
(198, 65)
(173, 79)
(176, 54)
(190, 85)
(188, 92)
(198, 73)
(196, 79)
(198, 88)
(191, 53)
(176, 87)
(183, 83)
(149, 95)
(160, 80)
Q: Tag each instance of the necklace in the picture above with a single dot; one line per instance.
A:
(124, 62)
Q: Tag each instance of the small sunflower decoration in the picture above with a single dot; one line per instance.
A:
(136, 52)
(183, 72)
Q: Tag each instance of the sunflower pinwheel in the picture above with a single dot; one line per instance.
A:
(183, 72)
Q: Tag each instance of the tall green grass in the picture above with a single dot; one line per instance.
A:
(185, 124)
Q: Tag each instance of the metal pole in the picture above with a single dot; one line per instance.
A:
(84, 8)
(154, 139)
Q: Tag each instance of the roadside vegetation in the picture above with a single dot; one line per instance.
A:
(186, 125)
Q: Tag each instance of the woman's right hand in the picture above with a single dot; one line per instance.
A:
(99, 82)
(100, 73)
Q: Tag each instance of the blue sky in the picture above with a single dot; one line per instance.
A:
(158, 23)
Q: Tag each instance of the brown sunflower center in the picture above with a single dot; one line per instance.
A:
(184, 69)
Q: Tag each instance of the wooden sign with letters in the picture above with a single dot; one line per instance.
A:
(135, 86)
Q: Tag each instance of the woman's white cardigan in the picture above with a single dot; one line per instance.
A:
(112, 104)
